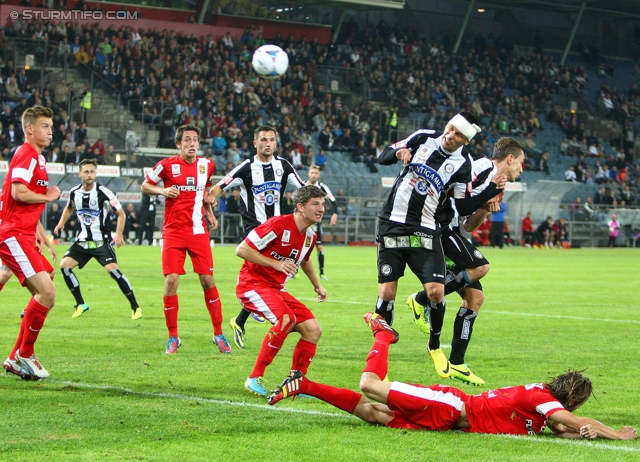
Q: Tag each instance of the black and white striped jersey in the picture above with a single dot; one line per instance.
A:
(420, 187)
(330, 202)
(92, 209)
(261, 185)
(483, 171)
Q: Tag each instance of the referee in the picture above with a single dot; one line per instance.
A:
(92, 203)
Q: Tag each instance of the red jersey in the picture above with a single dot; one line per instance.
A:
(513, 410)
(29, 168)
(185, 214)
(527, 225)
(279, 239)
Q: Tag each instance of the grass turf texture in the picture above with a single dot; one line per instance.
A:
(114, 395)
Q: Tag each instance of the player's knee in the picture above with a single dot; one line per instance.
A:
(435, 292)
(48, 295)
(368, 383)
(387, 292)
(475, 274)
(474, 299)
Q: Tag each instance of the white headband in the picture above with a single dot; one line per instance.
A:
(462, 124)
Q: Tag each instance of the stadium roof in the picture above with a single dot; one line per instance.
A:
(602, 8)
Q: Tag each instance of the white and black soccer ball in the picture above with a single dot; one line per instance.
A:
(270, 62)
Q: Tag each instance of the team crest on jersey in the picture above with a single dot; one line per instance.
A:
(269, 199)
(477, 254)
(286, 235)
(175, 170)
(201, 170)
(93, 202)
(449, 168)
(422, 187)
(307, 243)
(279, 172)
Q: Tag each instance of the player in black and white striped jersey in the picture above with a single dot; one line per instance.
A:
(470, 264)
(330, 205)
(262, 181)
(435, 165)
(91, 203)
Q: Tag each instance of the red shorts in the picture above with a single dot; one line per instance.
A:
(23, 258)
(437, 407)
(272, 303)
(174, 252)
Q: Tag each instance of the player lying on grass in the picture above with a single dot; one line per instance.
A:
(519, 410)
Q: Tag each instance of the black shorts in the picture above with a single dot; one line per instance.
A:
(426, 263)
(104, 254)
(462, 252)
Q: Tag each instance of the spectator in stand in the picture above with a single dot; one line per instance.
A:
(544, 163)
(233, 153)
(614, 228)
(325, 138)
(321, 159)
(570, 174)
(580, 168)
(527, 230)
(219, 144)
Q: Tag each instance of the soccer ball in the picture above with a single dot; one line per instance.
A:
(270, 62)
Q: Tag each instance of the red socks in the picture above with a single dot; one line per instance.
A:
(378, 359)
(171, 309)
(303, 355)
(212, 300)
(34, 316)
(270, 347)
(342, 398)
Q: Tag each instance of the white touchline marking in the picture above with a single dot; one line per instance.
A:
(533, 439)
(584, 443)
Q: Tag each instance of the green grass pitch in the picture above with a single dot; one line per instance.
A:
(114, 395)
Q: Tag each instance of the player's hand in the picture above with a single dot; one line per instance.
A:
(286, 267)
(118, 240)
(53, 253)
(628, 433)
(588, 432)
(53, 193)
(404, 155)
(213, 221)
(322, 293)
(334, 219)
(57, 230)
(500, 181)
(209, 199)
(170, 193)
(40, 242)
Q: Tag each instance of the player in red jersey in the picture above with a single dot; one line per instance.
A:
(22, 205)
(186, 178)
(272, 253)
(517, 410)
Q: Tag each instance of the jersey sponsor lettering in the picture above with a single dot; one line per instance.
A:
(261, 187)
(268, 240)
(185, 213)
(431, 175)
(92, 211)
(21, 217)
